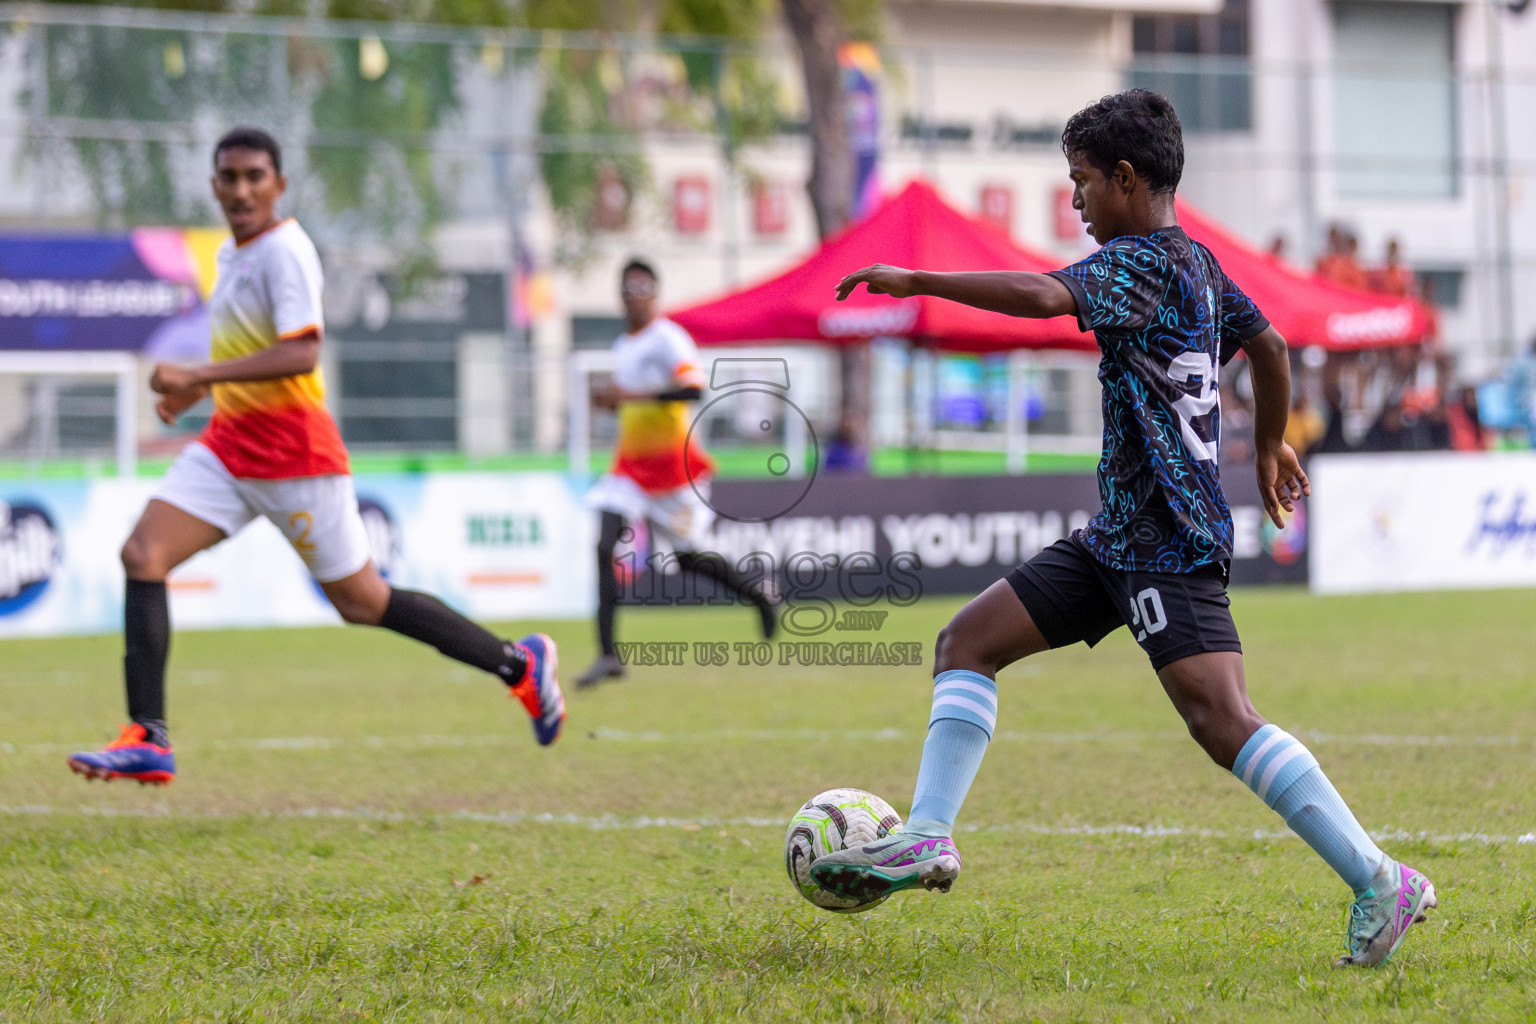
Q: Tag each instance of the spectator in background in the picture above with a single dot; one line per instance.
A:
(1339, 263)
(1434, 426)
(1333, 249)
(1391, 432)
(1520, 382)
(1333, 439)
(845, 453)
(1467, 433)
(1237, 418)
(1306, 427)
(1351, 273)
(1277, 249)
(1393, 278)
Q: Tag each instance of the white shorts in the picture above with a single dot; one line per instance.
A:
(318, 514)
(681, 517)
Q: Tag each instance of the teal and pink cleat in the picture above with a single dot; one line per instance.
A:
(904, 861)
(130, 756)
(539, 689)
(1379, 923)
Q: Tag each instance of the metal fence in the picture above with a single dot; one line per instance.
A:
(417, 153)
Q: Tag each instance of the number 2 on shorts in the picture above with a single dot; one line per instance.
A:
(1147, 613)
(303, 522)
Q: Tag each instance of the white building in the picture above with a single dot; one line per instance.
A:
(1395, 118)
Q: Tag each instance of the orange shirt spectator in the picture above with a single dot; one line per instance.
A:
(1339, 264)
(1394, 278)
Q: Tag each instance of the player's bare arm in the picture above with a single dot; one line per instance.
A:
(170, 407)
(1016, 294)
(1281, 479)
(289, 359)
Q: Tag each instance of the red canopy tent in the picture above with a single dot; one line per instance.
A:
(916, 228)
(1304, 308)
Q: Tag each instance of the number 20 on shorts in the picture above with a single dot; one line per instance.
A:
(1147, 614)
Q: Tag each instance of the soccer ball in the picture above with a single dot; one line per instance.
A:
(826, 823)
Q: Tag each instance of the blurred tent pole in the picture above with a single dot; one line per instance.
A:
(1498, 151)
(1016, 417)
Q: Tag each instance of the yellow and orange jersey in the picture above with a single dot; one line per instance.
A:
(654, 449)
(268, 292)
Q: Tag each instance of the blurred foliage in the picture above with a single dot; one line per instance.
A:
(588, 142)
(376, 161)
(116, 74)
(380, 101)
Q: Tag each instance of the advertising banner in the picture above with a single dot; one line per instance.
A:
(143, 291)
(1423, 521)
(503, 546)
(965, 532)
(495, 546)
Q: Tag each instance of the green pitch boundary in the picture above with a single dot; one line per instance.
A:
(734, 464)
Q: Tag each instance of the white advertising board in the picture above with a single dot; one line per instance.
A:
(1423, 521)
(493, 545)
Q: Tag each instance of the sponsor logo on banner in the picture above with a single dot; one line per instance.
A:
(505, 530)
(890, 320)
(1376, 527)
(1388, 324)
(1504, 527)
(94, 298)
(383, 534)
(29, 554)
(1287, 546)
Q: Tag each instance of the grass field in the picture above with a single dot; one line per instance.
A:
(363, 831)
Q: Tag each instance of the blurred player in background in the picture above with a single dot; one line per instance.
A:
(1156, 557)
(660, 474)
(273, 450)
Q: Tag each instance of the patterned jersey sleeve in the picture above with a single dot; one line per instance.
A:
(1240, 316)
(1119, 287)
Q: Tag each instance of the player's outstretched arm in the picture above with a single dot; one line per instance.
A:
(285, 359)
(1281, 479)
(1001, 291)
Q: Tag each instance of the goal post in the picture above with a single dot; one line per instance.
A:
(123, 367)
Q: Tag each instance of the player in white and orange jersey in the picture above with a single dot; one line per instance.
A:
(273, 450)
(660, 474)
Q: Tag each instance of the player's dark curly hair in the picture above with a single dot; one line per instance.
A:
(1137, 126)
(638, 264)
(250, 138)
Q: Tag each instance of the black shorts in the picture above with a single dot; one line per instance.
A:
(1073, 596)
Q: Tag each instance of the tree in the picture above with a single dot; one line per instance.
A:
(817, 27)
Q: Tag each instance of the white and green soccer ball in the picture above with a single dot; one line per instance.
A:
(829, 822)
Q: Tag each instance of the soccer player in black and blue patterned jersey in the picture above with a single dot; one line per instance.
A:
(1155, 558)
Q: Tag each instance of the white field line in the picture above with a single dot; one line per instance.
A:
(765, 736)
(614, 822)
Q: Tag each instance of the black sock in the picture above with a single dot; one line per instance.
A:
(607, 582)
(715, 567)
(146, 645)
(425, 618)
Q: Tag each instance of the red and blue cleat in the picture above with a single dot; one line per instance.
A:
(130, 756)
(539, 689)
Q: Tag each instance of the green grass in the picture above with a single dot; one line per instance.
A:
(734, 464)
(342, 790)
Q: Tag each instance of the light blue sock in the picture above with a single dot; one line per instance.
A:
(964, 714)
(1285, 775)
